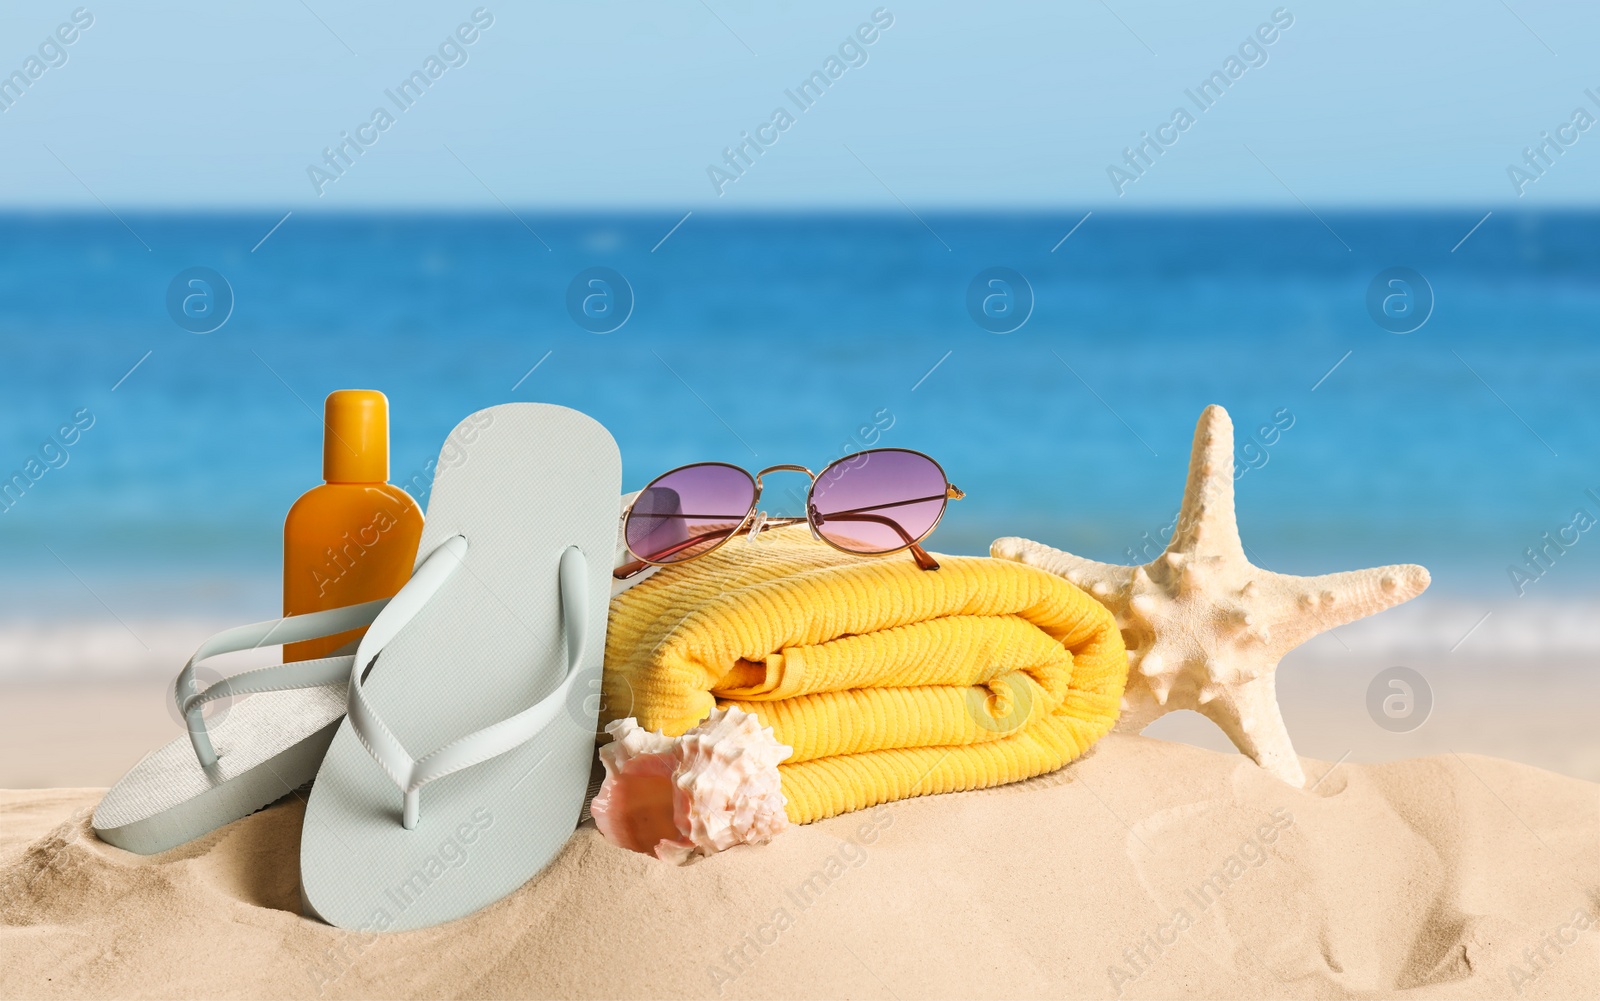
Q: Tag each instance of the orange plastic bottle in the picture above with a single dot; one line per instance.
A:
(354, 538)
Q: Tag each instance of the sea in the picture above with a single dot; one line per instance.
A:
(1406, 387)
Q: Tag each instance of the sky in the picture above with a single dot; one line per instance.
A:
(930, 106)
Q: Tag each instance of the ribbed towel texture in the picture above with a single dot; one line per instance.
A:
(887, 680)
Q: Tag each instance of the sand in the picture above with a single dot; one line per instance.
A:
(89, 731)
(1149, 869)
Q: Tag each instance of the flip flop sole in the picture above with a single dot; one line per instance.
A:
(269, 744)
(531, 481)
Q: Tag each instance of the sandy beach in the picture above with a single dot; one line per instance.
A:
(1148, 869)
(1452, 858)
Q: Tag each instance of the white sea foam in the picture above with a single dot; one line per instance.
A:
(1429, 628)
(1436, 627)
(95, 650)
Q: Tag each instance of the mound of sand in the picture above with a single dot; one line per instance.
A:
(1148, 869)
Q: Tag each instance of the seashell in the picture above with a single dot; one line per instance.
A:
(704, 792)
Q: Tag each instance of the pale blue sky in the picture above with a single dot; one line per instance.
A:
(626, 105)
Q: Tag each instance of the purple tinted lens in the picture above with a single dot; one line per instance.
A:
(878, 501)
(688, 512)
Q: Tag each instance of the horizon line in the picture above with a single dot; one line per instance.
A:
(797, 209)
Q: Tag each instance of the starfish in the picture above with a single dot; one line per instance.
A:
(1204, 628)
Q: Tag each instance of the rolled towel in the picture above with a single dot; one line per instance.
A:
(888, 681)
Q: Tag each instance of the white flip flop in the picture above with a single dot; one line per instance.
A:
(490, 668)
(266, 746)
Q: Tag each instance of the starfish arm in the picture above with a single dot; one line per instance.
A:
(1249, 715)
(1332, 600)
(1206, 525)
(1105, 581)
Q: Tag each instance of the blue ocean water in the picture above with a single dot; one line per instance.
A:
(780, 338)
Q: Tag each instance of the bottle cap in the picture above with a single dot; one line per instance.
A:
(355, 437)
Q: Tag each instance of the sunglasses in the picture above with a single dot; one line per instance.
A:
(872, 503)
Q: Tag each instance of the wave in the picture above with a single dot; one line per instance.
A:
(1428, 629)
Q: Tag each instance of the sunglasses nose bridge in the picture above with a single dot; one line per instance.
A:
(785, 468)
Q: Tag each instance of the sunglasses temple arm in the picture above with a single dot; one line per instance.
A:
(629, 569)
(639, 566)
(876, 518)
(898, 503)
(924, 560)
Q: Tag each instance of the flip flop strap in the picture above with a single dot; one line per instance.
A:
(191, 700)
(410, 774)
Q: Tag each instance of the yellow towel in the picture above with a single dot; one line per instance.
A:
(887, 680)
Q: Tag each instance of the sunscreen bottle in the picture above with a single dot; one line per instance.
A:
(354, 538)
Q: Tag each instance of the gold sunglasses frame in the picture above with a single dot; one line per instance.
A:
(924, 560)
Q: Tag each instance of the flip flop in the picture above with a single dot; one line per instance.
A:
(264, 748)
(462, 766)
